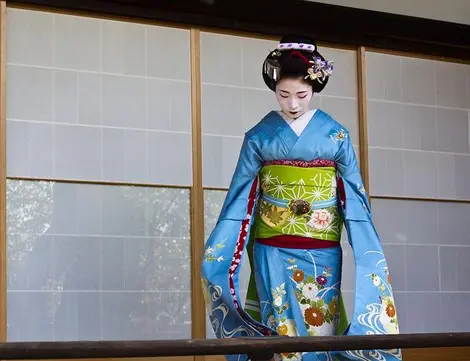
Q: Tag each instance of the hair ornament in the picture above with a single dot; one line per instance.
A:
(320, 69)
(272, 68)
(296, 46)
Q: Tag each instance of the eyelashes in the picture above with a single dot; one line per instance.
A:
(300, 97)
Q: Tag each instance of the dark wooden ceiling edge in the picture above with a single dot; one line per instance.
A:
(336, 25)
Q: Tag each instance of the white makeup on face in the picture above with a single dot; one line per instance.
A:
(293, 96)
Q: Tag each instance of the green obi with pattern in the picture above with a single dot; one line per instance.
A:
(298, 201)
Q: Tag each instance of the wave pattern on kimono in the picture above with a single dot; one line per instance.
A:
(295, 291)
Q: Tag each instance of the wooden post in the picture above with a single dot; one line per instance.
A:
(362, 107)
(198, 315)
(3, 176)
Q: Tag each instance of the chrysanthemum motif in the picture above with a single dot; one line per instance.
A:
(314, 316)
(390, 310)
(321, 280)
(388, 315)
(298, 275)
(310, 291)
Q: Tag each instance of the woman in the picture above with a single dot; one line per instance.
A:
(295, 185)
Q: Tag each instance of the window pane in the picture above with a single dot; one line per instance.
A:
(117, 92)
(419, 147)
(91, 262)
(427, 248)
(418, 127)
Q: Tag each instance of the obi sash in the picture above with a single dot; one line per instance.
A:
(298, 202)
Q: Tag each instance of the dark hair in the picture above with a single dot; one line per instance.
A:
(293, 64)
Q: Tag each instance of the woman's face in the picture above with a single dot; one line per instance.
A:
(293, 96)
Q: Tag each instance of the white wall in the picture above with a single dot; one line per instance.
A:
(457, 11)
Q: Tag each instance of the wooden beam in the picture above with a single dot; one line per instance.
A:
(3, 176)
(414, 354)
(421, 199)
(234, 346)
(98, 182)
(437, 354)
(327, 23)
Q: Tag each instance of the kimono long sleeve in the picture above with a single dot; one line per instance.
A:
(374, 306)
(224, 249)
(246, 172)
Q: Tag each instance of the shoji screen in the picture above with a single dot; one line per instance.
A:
(418, 120)
(99, 168)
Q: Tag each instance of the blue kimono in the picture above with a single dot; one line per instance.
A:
(288, 188)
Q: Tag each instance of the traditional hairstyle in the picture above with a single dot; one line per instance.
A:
(297, 56)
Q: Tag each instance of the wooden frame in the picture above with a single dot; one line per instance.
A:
(198, 315)
(457, 51)
(362, 108)
(3, 176)
(99, 182)
(419, 199)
